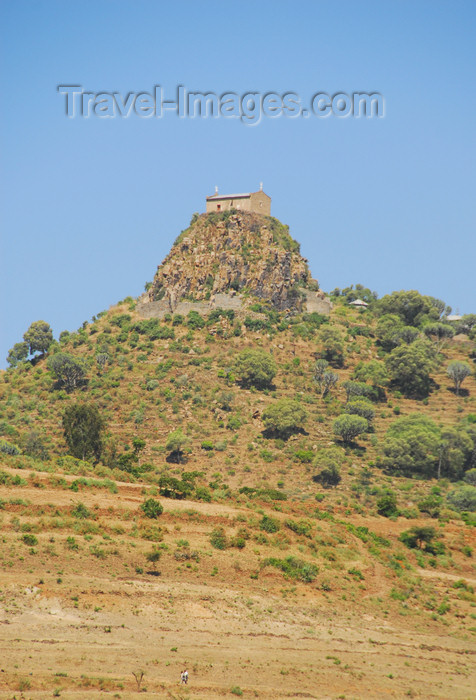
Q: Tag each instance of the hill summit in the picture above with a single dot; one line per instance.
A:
(225, 259)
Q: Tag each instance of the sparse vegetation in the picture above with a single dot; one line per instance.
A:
(275, 505)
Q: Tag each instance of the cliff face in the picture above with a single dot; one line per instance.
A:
(234, 252)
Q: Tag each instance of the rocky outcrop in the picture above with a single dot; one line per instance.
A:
(237, 254)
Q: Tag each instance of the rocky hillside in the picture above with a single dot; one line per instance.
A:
(234, 252)
(266, 498)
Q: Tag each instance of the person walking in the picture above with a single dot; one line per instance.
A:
(185, 676)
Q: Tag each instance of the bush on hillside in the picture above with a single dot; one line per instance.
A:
(152, 508)
(332, 346)
(83, 427)
(255, 368)
(463, 498)
(284, 417)
(416, 445)
(348, 427)
(458, 371)
(470, 477)
(387, 504)
(439, 333)
(374, 373)
(8, 448)
(177, 443)
(356, 389)
(328, 462)
(409, 368)
(293, 568)
(422, 537)
(360, 407)
(269, 524)
(392, 332)
(68, 370)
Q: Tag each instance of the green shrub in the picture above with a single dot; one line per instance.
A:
(328, 461)
(30, 540)
(431, 504)
(304, 456)
(348, 427)
(294, 568)
(152, 508)
(80, 511)
(255, 368)
(170, 487)
(409, 368)
(387, 504)
(234, 423)
(300, 528)
(356, 573)
(83, 428)
(360, 407)
(194, 320)
(218, 538)
(463, 498)
(202, 493)
(284, 417)
(8, 448)
(269, 524)
(418, 537)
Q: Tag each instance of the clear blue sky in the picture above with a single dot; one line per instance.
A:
(90, 207)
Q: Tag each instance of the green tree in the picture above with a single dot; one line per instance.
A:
(138, 445)
(328, 462)
(153, 557)
(332, 346)
(387, 504)
(68, 370)
(18, 353)
(284, 417)
(102, 358)
(358, 292)
(328, 476)
(418, 536)
(360, 407)
(463, 498)
(466, 324)
(387, 331)
(439, 333)
(39, 337)
(177, 443)
(319, 370)
(411, 307)
(411, 446)
(392, 332)
(34, 445)
(83, 428)
(455, 451)
(354, 389)
(375, 373)
(329, 380)
(348, 427)
(409, 368)
(458, 371)
(255, 368)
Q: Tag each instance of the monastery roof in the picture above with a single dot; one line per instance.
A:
(243, 195)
